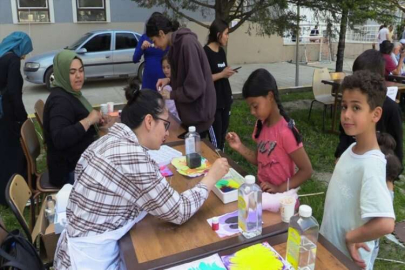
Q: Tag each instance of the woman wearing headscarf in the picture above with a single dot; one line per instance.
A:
(13, 49)
(153, 58)
(70, 122)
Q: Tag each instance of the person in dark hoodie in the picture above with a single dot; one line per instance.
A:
(191, 78)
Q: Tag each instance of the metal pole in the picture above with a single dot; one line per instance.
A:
(297, 44)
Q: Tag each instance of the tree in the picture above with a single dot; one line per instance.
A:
(269, 16)
(349, 13)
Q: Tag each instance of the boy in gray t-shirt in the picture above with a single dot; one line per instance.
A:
(358, 207)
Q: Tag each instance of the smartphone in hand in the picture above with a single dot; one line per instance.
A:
(236, 69)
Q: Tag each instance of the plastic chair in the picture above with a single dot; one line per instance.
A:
(32, 149)
(39, 112)
(322, 92)
(17, 195)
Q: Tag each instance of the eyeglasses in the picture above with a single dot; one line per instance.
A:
(165, 123)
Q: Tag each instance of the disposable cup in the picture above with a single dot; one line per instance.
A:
(104, 108)
(110, 106)
(287, 208)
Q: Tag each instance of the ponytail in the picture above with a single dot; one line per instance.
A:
(259, 84)
(142, 103)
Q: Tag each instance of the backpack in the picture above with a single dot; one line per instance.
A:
(16, 252)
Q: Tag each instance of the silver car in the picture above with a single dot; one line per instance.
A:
(105, 54)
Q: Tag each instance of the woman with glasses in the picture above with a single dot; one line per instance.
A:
(117, 184)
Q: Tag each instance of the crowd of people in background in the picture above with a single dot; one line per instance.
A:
(116, 183)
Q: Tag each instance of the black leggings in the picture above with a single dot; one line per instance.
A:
(220, 125)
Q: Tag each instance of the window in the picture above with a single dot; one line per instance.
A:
(91, 10)
(29, 11)
(99, 43)
(125, 41)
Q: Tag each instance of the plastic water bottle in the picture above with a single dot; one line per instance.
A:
(50, 209)
(193, 153)
(250, 208)
(302, 239)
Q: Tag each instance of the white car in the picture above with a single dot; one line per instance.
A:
(105, 54)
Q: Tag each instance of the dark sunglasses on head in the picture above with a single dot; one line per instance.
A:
(165, 123)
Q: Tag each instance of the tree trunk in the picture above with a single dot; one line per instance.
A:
(342, 41)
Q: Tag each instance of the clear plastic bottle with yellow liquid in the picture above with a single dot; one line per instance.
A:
(302, 239)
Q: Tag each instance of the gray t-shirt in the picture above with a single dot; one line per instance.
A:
(357, 193)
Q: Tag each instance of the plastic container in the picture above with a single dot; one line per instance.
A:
(228, 196)
(250, 208)
(302, 239)
(193, 152)
(50, 209)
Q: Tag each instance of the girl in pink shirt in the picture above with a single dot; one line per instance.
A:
(279, 144)
(169, 102)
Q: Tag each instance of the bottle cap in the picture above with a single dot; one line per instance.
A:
(305, 211)
(191, 129)
(250, 179)
(215, 220)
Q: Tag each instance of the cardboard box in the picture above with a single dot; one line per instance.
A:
(46, 232)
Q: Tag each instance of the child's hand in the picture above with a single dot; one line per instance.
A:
(165, 94)
(353, 249)
(267, 187)
(233, 140)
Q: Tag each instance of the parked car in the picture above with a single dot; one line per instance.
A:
(105, 54)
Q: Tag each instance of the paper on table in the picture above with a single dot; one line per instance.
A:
(164, 155)
(213, 262)
(254, 257)
(228, 224)
(392, 92)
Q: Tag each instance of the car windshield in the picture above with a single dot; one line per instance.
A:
(79, 42)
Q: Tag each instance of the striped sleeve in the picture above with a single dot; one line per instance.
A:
(158, 198)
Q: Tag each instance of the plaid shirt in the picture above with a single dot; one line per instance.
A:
(115, 181)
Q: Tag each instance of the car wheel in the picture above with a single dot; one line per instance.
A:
(49, 78)
(140, 71)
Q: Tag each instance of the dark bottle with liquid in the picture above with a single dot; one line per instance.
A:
(193, 153)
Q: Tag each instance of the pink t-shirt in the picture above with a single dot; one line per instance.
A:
(274, 145)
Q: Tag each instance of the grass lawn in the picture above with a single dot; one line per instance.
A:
(320, 147)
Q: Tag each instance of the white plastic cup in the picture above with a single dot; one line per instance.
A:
(287, 208)
(104, 108)
(110, 106)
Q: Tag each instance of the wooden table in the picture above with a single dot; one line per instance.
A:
(327, 256)
(175, 128)
(154, 243)
(398, 78)
(336, 90)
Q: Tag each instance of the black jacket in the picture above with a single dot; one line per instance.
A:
(65, 136)
(11, 84)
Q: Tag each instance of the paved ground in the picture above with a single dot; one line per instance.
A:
(98, 92)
